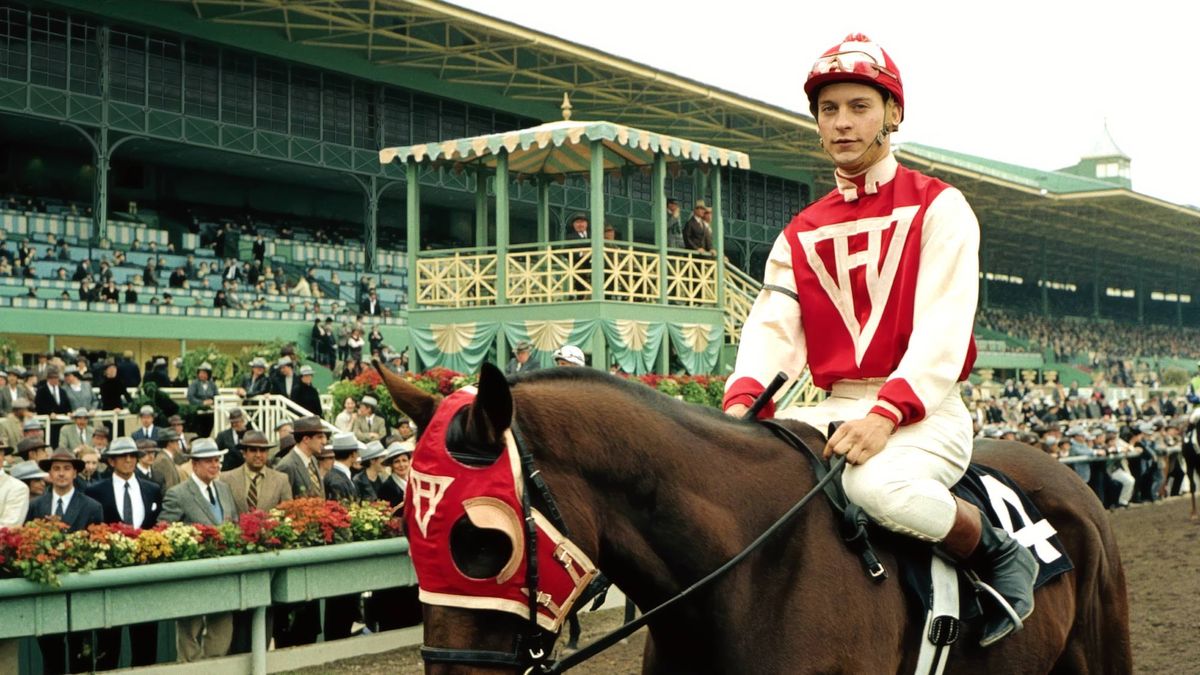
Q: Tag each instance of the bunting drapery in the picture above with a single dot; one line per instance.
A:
(548, 336)
(633, 344)
(697, 345)
(461, 347)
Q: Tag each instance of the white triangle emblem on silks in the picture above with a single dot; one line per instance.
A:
(879, 278)
(427, 492)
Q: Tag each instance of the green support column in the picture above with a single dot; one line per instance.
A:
(1045, 281)
(370, 222)
(658, 211)
(182, 348)
(101, 155)
(502, 233)
(481, 208)
(599, 351)
(543, 209)
(718, 234)
(412, 230)
(596, 179)
(984, 266)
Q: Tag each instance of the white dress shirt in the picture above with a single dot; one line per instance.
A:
(343, 468)
(135, 494)
(66, 502)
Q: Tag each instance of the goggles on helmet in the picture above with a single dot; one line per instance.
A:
(859, 63)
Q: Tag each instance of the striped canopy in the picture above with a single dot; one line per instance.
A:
(565, 147)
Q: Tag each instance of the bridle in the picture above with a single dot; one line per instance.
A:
(532, 646)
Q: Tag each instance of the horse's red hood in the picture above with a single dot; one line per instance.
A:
(442, 491)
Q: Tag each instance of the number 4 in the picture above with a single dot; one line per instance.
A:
(1031, 535)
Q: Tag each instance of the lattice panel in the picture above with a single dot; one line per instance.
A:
(549, 275)
(691, 280)
(630, 275)
(456, 280)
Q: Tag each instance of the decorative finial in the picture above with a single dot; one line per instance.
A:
(566, 107)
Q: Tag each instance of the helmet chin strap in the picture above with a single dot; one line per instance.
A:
(885, 130)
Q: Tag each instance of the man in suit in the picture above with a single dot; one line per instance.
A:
(80, 433)
(50, 398)
(341, 611)
(270, 487)
(371, 305)
(202, 390)
(299, 624)
(368, 426)
(185, 439)
(145, 463)
(577, 229)
(520, 362)
(14, 389)
(229, 439)
(14, 494)
(284, 379)
(126, 498)
(12, 426)
(305, 394)
(165, 471)
(147, 431)
(202, 499)
(256, 383)
(696, 234)
(78, 511)
(79, 393)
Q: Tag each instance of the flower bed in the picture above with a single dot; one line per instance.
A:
(43, 550)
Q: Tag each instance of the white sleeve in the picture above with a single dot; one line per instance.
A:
(15, 504)
(772, 337)
(943, 310)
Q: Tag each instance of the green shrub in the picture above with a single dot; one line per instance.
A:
(215, 357)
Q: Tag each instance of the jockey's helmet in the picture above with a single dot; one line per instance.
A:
(855, 59)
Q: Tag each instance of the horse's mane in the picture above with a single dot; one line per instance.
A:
(643, 395)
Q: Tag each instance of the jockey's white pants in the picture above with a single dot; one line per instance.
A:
(906, 487)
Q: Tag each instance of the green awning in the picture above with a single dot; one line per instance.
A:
(565, 147)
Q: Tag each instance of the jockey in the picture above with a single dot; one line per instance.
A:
(874, 288)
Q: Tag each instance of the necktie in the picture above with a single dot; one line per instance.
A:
(252, 494)
(58, 510)
(212, 498)
(127, 513)
(313, 475)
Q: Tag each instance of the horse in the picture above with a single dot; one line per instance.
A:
(659, 493)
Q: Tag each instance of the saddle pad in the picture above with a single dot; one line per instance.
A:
(1004, 505)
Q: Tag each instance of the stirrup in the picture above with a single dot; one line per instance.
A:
(1015, 620)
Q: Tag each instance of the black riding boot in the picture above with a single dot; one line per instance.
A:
(1000, 561)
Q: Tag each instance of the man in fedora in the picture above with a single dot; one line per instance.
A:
(206, 500)
(284, 379)
(696, 234)
(33, 449)
(165, 469)
(125, 497)
(202, 391)
(12, 425)
(13, 389)
(368, 426)
(14, 494)
(305, 394)
(229, 439)
(50, 398)
(339, 484)
(78, 511)
(521, 361)
(80, 433)
(256, 383)
(254, 486)
(147, 430)
(300, 465)
(175, 422)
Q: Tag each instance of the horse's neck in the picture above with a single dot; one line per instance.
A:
(679, 510)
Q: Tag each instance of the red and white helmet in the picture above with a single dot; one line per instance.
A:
(855, 59)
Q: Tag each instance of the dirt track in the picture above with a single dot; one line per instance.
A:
(1159, 546)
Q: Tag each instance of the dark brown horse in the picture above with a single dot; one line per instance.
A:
(659, 493)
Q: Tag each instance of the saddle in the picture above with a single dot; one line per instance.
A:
(928, 579)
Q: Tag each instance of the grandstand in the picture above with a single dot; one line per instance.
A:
(190, 127)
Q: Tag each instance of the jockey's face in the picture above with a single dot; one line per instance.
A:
(850, 117)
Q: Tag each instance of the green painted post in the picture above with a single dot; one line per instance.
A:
(370, 222)
(502, 233)
(543, 209)
(258, 641)
(596, 224)
(599, 351)
(718, 234)
(481, 208)
(182, 347)
(658, 211)
(662, 365)
(413, 229)
(100, 190)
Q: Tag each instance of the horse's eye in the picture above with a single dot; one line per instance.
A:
(486, 542)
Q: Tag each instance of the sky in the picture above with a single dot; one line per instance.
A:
(1030, 83)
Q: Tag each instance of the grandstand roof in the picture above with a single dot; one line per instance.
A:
(1087, 224)
(461, 47)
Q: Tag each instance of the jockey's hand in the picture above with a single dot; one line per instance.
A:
(737, 410)
(860, 440)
